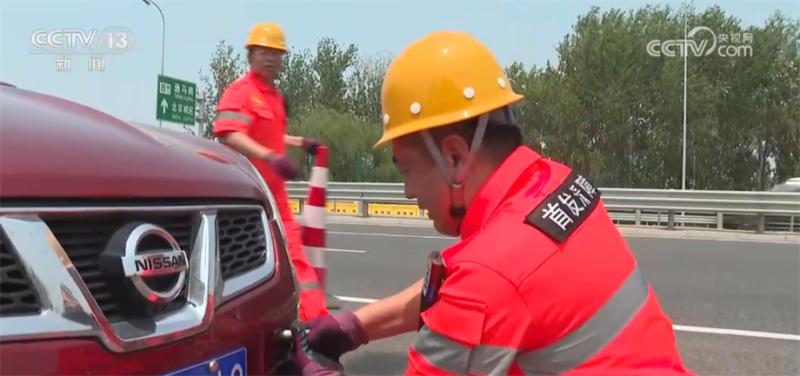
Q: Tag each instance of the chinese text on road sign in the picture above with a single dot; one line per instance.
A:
(175, 100)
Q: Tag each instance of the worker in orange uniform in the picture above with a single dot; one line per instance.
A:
(541, 281)
(251, 118)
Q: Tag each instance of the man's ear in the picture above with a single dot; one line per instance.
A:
(455, 150)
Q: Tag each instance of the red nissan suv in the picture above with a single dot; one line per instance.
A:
(134, 250)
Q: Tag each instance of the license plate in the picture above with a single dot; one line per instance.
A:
(231, 364)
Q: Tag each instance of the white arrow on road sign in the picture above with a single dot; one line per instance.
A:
(164, 105)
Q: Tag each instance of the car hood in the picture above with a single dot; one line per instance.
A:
(52, 148)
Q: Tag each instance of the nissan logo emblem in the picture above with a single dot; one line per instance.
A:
(145, 258)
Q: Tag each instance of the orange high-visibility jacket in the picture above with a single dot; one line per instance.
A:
(542, 282)
(256, 109)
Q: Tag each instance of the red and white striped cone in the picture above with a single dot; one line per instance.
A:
(314, 217)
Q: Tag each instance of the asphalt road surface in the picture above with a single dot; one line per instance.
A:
(735, 304)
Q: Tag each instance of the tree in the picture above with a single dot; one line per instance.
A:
(330, 65)
(298, 82)
(776, 100)
(363, 96)
(310, 81)
(351, 157)
(616, 112)
(224, 68)
(606, 107)
(619, 138)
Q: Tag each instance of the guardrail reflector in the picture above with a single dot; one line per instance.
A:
(406, 210)
(346, 207)
(381, 209)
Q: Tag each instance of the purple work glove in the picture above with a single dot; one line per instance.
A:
(334, 335)
(306, 362)
(282, 165)
(311, 145)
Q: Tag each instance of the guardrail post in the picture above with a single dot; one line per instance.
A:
(791, 224)
(638, 217)
(671, 220)
(761, 223)
(363, 208)
(719, 220)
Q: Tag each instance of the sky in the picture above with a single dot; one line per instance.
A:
(527, 31)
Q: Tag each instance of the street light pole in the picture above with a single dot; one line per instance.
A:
(685, 84)
(163, 35)
(201, 104)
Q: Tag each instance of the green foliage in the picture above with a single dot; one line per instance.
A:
(224, 68)
(616, 112)
(349, 141)
(606, 107)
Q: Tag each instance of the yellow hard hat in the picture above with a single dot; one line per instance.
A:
(443, 78)
(267, 34)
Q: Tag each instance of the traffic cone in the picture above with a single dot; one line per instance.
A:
(314, 218)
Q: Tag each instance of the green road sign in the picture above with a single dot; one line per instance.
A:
(176, 100)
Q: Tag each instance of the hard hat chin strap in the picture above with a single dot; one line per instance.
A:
(458, 207)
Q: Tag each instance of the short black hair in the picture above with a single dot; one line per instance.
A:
(499, 139)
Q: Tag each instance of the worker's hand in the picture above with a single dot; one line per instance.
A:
(306, 362)
(282, 165)
(310, 145)
(334, 335)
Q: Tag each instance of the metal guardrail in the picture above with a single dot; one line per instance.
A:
(756, 210)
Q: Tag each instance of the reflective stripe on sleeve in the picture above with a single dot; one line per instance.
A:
(491, 360)
(586, 341)
(234, 115)
(564, 355)
(453, 357)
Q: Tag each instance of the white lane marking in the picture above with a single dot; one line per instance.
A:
(355, 300)
(391, 235)
(775, 241)
(344, 250)
(623, 234)
(680, 328)
(737, 332)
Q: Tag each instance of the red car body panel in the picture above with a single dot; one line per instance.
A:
(53, 148)
(56, 151)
